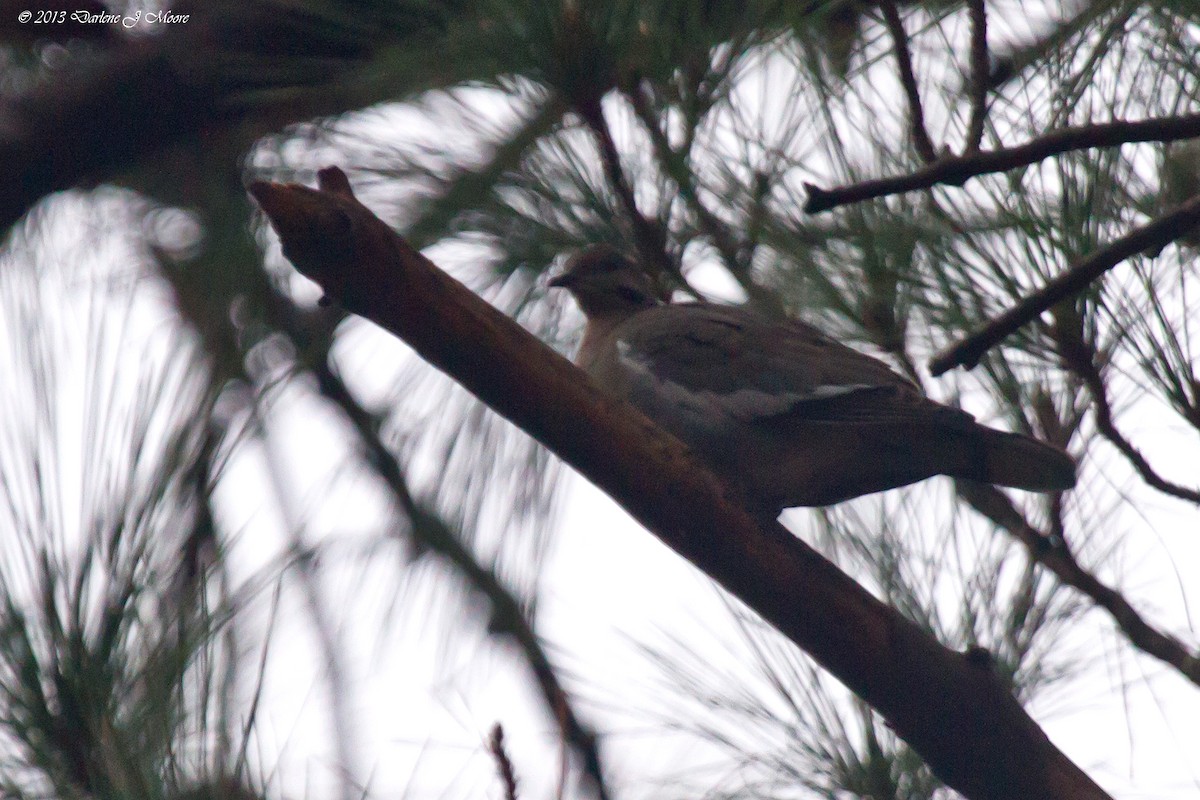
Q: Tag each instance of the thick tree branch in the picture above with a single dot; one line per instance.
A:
(954, 711)
(1158, 234)
(99, 118)
(233, 73)
(957, 170)
(908, 79)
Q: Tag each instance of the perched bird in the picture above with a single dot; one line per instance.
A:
(788, 415)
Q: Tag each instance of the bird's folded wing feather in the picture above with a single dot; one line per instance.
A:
(755, 368)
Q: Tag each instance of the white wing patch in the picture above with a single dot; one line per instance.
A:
(742, 404)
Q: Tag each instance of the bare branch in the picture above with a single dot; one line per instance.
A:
(712, 227)
(1081, 358)
(953, 710)
(967, 351)
(648, 236)
(956, 170)
(508, 776)
(1052, 553)
(979, 74)
(507, 615)
(908, 79)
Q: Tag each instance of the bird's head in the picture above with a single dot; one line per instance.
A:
(605, 283)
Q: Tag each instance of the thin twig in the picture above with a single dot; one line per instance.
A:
(508, 776)
(1080, 357)
(507, 614)
(670, 161)
(1053, 554)
(956, 170)
(979, 74)
(1050, 550)
(712, 227)
(1158, 234)
(648, 236)
(908, 79)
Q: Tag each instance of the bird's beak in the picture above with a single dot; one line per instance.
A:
(563, 281)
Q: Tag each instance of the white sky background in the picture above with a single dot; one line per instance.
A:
(423, 704)
(426, 706)
(610, 584)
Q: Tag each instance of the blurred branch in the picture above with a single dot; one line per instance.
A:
(674, 165)
(508, 776)
(736, 263)
(430, 532)
(955, 170)
(1157, 234)
(648, 235)
(1017, 57)
(1051, 552)
(326, 630)
(954, 711)
(908, 79)
(235, 71)
(1081, 358)
(979, 74)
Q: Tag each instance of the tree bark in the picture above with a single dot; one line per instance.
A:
(950, 707)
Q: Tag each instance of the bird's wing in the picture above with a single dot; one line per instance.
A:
(754, 368)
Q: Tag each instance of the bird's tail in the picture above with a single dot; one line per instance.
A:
(1010, 459)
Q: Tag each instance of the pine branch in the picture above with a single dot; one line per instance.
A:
(1155, 235)
(710, 225)
(508, 618)
(953, 710)
(648, 235)
(979, 74)
(908, 79)
(1080, 357)
(1051, 552)
(432, 533)
(955, 170)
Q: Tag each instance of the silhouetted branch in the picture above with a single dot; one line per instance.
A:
(99, 116)
(953, 710)
(956, 170)
(1053, 553)
(430, 532)
(504, 766)
(648, 236)
(967, 351)
(710, 225)
(979, 74)
(1080, 357)
(908, 79)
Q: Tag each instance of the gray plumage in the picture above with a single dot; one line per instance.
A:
(790, 416)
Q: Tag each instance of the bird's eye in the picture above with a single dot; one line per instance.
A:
(634, 296)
